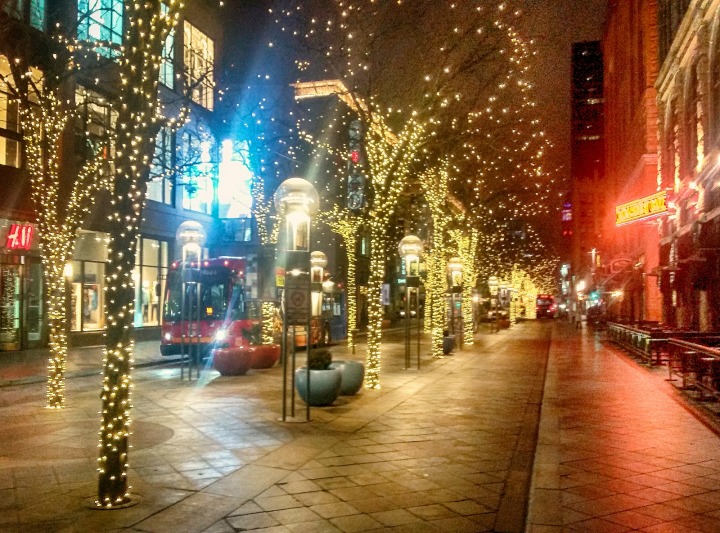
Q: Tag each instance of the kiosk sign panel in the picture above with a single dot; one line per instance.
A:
(297, 299)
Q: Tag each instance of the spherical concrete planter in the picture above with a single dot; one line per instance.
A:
(353, 373)
(232, 361)
(324, 385)
(264, 355)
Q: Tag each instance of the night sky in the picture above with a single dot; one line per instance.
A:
(556, 25)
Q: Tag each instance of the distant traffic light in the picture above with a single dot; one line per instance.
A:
(356, 177)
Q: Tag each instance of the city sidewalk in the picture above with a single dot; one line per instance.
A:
(451, 447)
(30, 366)
(620, 449)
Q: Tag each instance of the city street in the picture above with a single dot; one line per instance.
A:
(449, 447)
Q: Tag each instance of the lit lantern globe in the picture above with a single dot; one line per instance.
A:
(191, 236)
(297, 201)
(410, 248)
(455, 268)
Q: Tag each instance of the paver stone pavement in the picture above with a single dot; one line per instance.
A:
(618, 448)
(444, 448)
(539, 418)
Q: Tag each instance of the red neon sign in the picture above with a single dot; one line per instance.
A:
(19, 237)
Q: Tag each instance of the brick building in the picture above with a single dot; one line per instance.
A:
(688, 86)
(628, 278)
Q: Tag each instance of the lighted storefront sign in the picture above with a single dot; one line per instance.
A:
(641, 209)
(19, 237)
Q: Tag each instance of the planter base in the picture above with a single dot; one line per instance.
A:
(232, 361)
(264, 355)
(324, 386)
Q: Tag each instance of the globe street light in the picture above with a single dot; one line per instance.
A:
(410, 249)
(191, 236)
(455, 268)
(296, 200)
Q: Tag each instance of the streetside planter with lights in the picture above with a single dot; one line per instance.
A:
(325, 382)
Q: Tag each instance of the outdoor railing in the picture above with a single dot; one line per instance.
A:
(698, 365)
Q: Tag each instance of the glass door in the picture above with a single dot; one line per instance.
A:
(34, 305)
(10, 307)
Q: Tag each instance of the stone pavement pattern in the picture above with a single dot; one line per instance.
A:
(617, 451)
(446, 448)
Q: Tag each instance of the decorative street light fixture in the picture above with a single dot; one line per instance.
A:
(493, 286)
(191, 236)
(296, 200)
(455, 269)
(503, 296)
(410, 249)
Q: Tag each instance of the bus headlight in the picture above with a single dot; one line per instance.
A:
(168, 336)
(221, 335)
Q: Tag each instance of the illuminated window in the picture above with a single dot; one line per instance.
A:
(167, 67)
(101, 21)
(197, 172)
(160, 186)
(96, 119)
(37, 14)
(32, 11)
(234, 181)
(199, 62)
(10, 137)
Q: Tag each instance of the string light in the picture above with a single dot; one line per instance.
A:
(474, 135)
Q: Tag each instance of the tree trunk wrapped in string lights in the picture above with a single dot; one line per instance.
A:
(467, 246)
(434, 183)
(389, 161)
(342, 222)
(137, 126)
(58, 218)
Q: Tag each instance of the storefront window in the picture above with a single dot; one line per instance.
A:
(88, 281)
(149, 277)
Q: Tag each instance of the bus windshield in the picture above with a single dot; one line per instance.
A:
(219, 299)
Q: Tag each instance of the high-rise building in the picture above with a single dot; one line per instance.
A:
(587, 172)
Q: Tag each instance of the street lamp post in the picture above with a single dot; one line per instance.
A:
(455, 268)
(493, 286)
(502, 295)
(191, 237)
(410, 249)
(296, 200)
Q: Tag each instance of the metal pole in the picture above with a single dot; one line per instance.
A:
(183, 288)
(417, 317)
(283, 352)
(407, 327)
(198, 330)
(292, 372)
(308, 342)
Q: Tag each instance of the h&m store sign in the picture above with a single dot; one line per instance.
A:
(641, 209)
(19, 237)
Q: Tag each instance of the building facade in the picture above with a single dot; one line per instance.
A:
(191, 174)
(587, 172)
(688, 101)
(629, 272)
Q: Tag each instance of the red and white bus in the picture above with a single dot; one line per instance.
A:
(214, 310)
